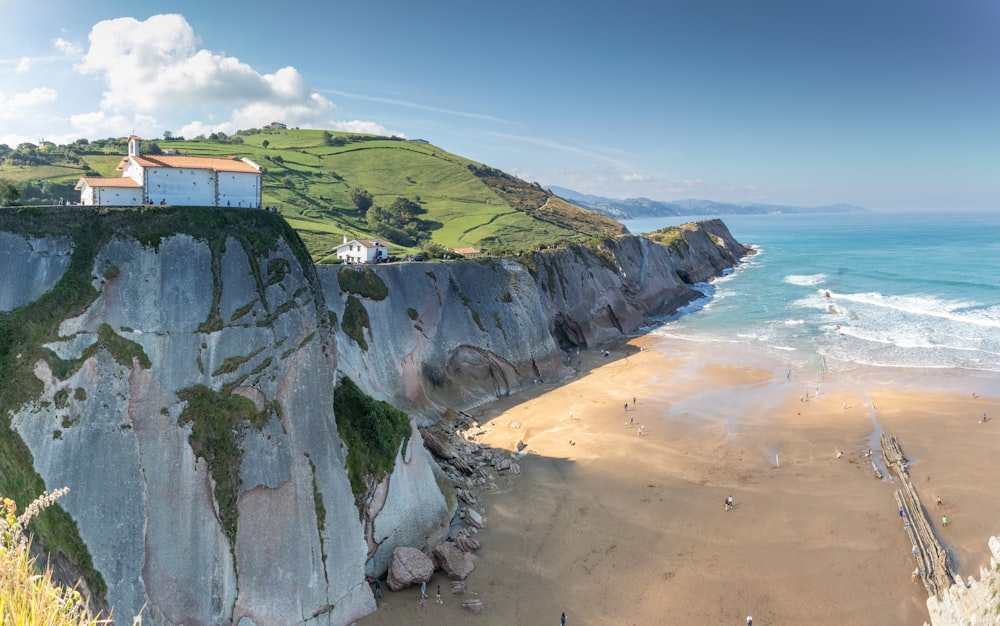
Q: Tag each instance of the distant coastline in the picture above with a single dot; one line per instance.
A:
(638, 208)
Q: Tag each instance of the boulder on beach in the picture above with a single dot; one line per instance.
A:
(409, 566)
(453, 560)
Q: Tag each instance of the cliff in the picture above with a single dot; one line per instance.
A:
(970, 603)
(176, 371)
(459, 334)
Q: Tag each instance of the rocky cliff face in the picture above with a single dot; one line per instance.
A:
(253, 521)
(463, 333)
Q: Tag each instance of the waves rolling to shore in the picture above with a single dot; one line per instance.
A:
(871, 289)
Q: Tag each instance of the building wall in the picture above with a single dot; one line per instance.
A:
(119, 196)
(134, 171)
(238, 189)
(196, 187)
(180, 187)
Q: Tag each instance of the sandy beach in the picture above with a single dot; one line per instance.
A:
(614, 527)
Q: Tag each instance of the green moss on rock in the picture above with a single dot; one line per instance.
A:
(356, 321)
(373, 432)
(218, 422)
(365, 283)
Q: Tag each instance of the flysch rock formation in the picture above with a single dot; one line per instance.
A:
(263, 325)
(460, 334)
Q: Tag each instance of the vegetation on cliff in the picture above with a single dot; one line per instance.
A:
(25, 331)
(373, 432)
(364, 283)
(218, 421)
(331, 185)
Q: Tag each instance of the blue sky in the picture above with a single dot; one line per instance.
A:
(887, 104)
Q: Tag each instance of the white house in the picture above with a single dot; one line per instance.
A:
(176, 180)
(362, 251)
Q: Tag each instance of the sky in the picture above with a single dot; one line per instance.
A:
(885, 104)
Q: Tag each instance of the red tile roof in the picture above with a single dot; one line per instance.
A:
(196, 163)
(99, 181)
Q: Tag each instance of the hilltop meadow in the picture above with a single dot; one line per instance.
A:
(330, 185)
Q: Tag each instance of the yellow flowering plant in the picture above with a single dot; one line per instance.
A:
(29, 596)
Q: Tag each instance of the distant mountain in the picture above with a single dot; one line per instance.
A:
(633, 208)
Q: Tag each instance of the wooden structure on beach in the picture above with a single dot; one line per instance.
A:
(930, 555)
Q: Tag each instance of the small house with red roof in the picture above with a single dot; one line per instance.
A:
(175, 180)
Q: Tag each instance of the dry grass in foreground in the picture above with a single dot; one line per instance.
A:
(29, 597)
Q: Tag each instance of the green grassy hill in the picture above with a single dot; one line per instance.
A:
(313, 178)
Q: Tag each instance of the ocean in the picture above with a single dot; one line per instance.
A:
(831, 292)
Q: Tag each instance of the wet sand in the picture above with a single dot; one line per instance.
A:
(617, 528)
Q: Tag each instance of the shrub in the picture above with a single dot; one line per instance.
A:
(365, 283)
(218, 421)
(373, 432)
(356, 321)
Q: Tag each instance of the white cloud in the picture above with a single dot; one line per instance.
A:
(371, 128)
(23, 66)
(14, 107)
(635, 177)
(98, 124)
(154, 66)
(67, 48)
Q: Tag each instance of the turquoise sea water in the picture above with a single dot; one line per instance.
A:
(915, 290)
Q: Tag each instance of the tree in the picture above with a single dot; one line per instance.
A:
(167, 135)
(403, 210)
(9, 193)
(149, 147)
(266, 143)
(361, 199)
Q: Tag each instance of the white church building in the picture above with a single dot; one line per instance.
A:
(175, 180)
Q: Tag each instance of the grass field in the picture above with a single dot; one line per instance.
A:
(309, 176)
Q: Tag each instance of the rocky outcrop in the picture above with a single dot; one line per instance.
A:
(274, 534)
(409, 566)
(970, 603)
(120, 446)
(455, 562)
(39, 263)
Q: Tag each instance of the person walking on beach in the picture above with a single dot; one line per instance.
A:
(944, 520)
(749, 620)
(439, 600)
(562, 619)
(729, 503)
(378, 588)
